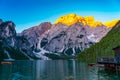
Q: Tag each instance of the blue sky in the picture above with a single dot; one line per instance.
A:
(28, 13)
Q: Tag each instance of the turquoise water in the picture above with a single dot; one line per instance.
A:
(54, 70)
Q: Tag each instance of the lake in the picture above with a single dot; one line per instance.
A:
(54, 70)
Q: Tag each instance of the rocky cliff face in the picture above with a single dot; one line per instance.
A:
(7, 32)
(96, 34)
(9, 48)
(36, 33)
(67, 40)
(33, 37)
(61, 39)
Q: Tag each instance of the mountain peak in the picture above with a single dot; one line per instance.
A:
(71, 19)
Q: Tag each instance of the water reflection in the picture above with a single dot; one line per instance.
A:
(108, 75)
(52, 70)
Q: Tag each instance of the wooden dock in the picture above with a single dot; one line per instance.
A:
(109, 63)
(112, 64)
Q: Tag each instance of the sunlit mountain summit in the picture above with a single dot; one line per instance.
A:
(112, 23)
(71, 19)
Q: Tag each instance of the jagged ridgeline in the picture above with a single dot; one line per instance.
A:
(71, 19)
(67, 37)
(104, 47)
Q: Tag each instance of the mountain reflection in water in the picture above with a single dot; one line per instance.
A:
(52, 70)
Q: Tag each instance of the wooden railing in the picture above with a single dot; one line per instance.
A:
(106, 60)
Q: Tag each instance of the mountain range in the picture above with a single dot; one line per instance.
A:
(68, 36)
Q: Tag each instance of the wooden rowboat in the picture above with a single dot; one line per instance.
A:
(4, 62)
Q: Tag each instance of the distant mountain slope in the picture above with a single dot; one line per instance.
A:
(104, 47)
(61, 38)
